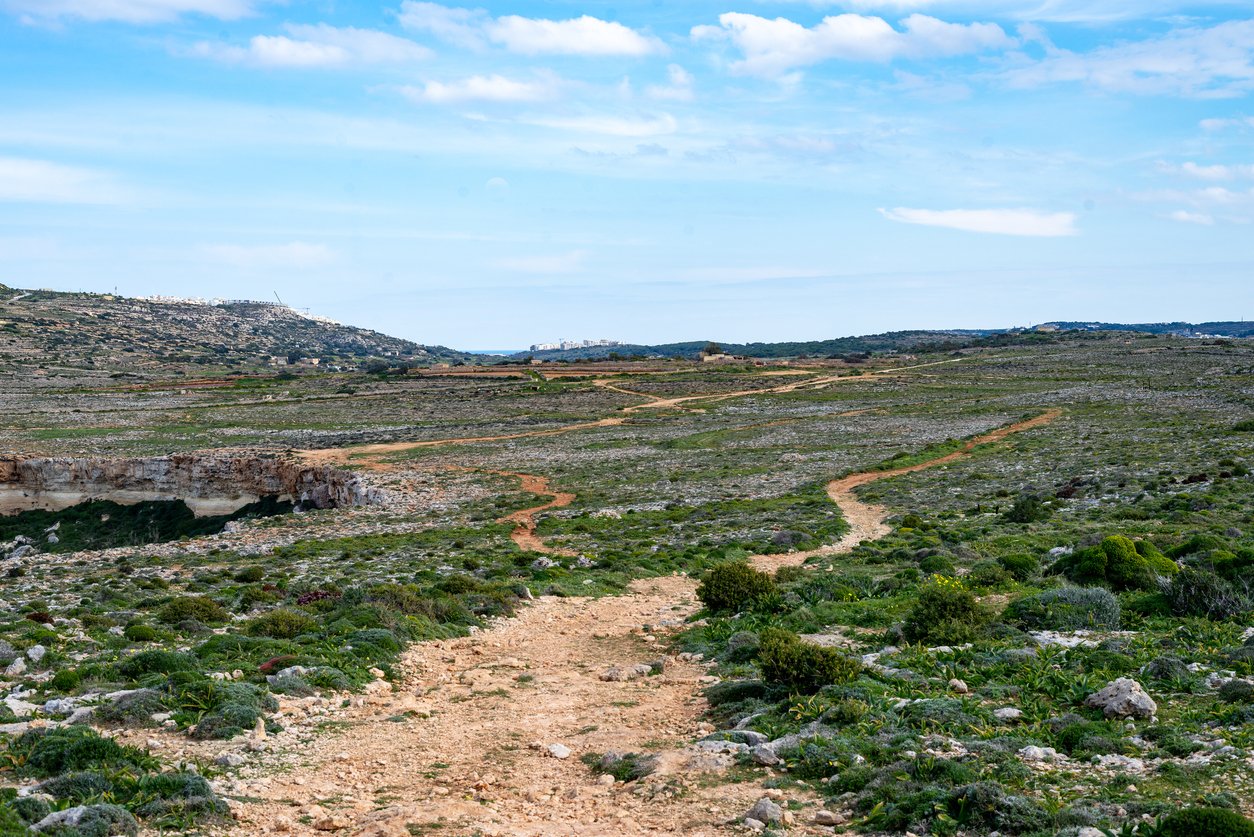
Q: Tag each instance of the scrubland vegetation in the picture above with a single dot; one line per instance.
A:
(935, 680)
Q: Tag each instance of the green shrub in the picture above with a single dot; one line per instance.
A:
(1027, 509)
(66, 680)
(1198, 592)
(31, 809)
(946, 613)
(735, 586)
(1118, 562)
(625, 767)
(784, 658)
(282, 623)
(989, 574)
(940, 564)
(140, 633)
(1200, 542)
(1065, 609)
(1205, 822)
(227, 721)
(1237, 691)
(99, 821)
(156, 661)
(78, 786)
(1246, 426)
(46, 753)
(1021, 565)
(200, 608)
(250, 575)
(133, 710)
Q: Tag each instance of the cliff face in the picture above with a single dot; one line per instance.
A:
(209, 484)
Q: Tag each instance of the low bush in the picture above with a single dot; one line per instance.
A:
(1205, 822)
(140, 633)
(785, 659)
(282, 623)
(200, 608)
(1198, 592)
(1118, 562)
(157, 661)
(46, 753)
(1020, 565)
(946, 613)
(1065, 609)
(1027, 509)
(735, 586)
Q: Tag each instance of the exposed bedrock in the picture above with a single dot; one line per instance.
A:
(208, 483)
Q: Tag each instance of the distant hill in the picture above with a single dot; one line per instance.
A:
(118, 334)
(900, 341)
(1226, 328)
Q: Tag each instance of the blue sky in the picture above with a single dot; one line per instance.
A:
(492, 175)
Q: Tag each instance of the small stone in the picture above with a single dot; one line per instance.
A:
(764, 756)
(605, 779)
(16, 668)
(230, 760)
(558, 751)
(822, 817)
(959, 686)
(1008, 713)
(765, 811)
(36, 653)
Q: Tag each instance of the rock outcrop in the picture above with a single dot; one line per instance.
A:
(208, 483)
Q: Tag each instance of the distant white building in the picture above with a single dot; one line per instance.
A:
(564, 344)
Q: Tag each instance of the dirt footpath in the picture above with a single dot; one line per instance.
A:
(463, 741)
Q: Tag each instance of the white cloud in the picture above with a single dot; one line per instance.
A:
(129, 11)
(678, 90)
(1186, 217)
(1223, 124)
(475, 28)
(612, 125)
(293, 254)
(773, 47)
(39, 181)
(570, 262)
(317, 45)
(493, 88)
(1025, 222)
(1217, 172)
(1209, 62)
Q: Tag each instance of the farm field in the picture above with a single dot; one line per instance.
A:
(888, 597)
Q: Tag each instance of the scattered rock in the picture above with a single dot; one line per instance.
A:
(765, 811)
(1124, 698)
(558, 751)
(959, 686)
(1008, 713)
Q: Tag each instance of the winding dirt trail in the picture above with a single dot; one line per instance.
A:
(866, 521)
(524, 533)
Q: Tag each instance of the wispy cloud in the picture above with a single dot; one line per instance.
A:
(1186, 217)
(128, 11)
(618, 126)
(292, 254)
(39, 181)
(476, 28)
(678, 90)
(773, 47)
(1209, 62)
(1024, 222)
(1214, 172)
(317, 46)
(492, 88)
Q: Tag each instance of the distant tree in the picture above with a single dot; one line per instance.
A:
(713, 349)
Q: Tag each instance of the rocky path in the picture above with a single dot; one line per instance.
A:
(483, 735)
